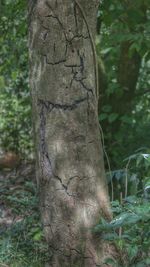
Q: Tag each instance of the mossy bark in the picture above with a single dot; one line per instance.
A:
(70, 168)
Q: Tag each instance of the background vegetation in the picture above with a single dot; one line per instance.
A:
(123, 37)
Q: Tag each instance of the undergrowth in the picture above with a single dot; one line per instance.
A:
(22, 243)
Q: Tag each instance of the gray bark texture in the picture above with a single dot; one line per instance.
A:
(70, 169)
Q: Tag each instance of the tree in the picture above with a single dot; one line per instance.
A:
(70, 168)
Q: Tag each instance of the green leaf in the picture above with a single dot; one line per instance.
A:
(110, 261)
(124, 218)
(126, 119)
(106, 50)
(139, 159)
(131, 199)
(110, 236)
(132, 251)
(2, 82)
(134, 47)
(146, 156)
(112, 117)
(37, 236)
(103, 116)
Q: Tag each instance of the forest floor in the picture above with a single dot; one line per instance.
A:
(21, 239)
(22, 243)
(12, 184)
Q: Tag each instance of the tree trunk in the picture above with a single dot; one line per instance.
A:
(70, 169)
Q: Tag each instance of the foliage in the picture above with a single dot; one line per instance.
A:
(134, 178)
(15, 109)
(129, 230)
(123, 45)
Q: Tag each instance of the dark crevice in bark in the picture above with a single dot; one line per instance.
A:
(85, 87)
(79, 7)
(64, 60)
(82, 64)
(54, 16)
(46, 165)
(81, 78)
(45, 35)
(76, 7)
(72, 66)
(72, 253)
(70, 179)
(66, 107)
(79, 36)
(45, 162)
(55, 63)
(75, 16)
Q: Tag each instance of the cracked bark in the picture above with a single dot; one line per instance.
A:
(70, 169)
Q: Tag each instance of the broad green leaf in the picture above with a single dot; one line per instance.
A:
(110, 261)
(112, 117)
(103, 116)
(38, 236)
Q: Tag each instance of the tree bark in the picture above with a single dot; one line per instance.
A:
(70, 168)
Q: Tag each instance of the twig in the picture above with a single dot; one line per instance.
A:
(126, 180)
(120, 228)
(108, 162)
